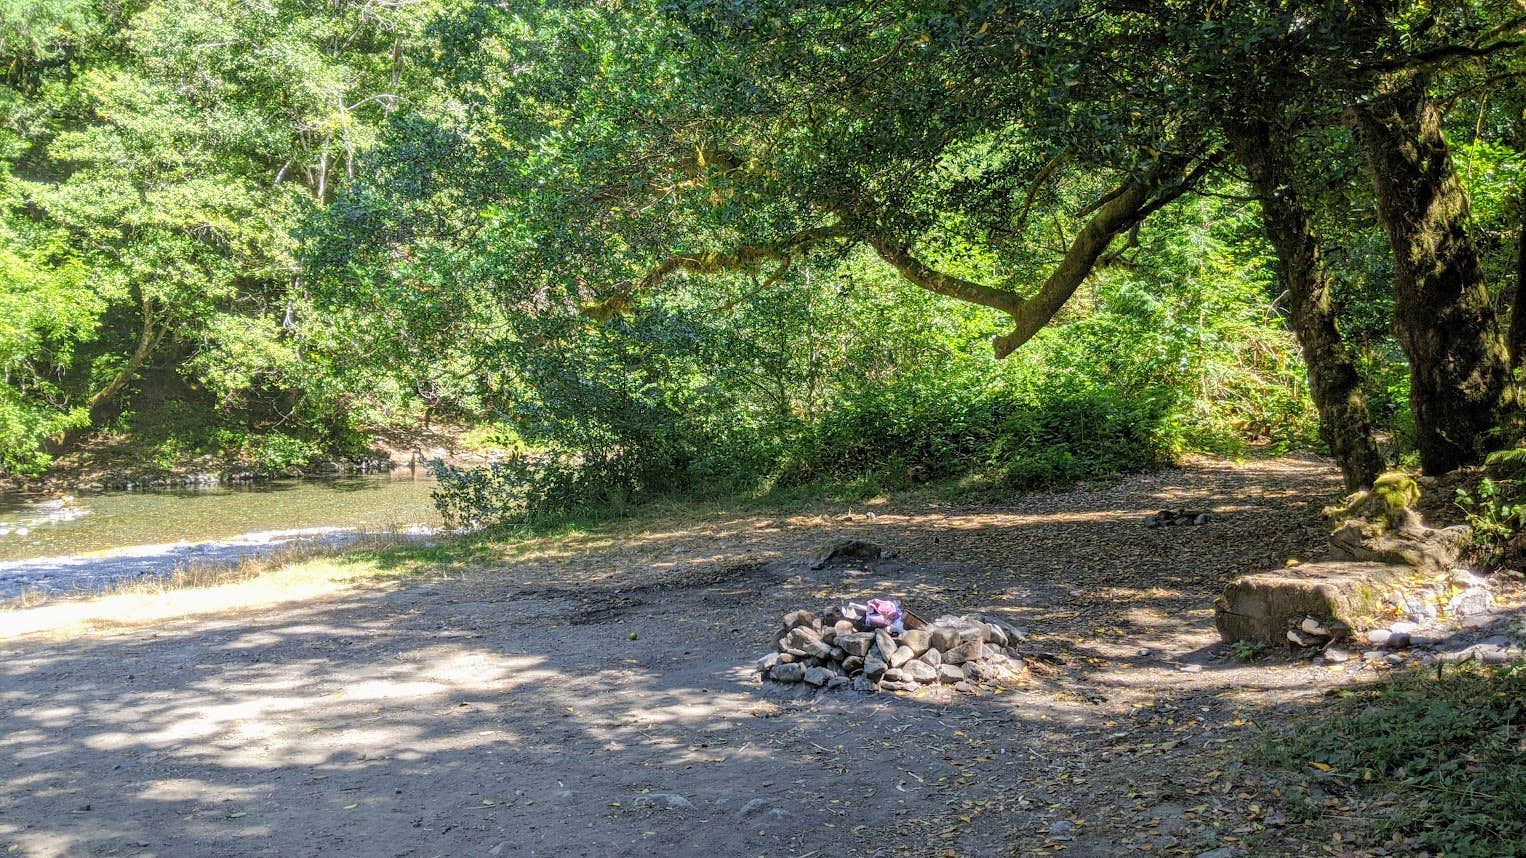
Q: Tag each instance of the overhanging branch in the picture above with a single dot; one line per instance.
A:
(1116, 212)
(746, 257)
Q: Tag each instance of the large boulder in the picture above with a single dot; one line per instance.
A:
(1344, 596)
(1422, 548)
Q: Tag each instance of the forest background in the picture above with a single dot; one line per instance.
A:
(710, 248)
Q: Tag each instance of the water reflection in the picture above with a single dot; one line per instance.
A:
(50, 527)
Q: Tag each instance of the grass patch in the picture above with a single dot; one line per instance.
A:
(1433, 760)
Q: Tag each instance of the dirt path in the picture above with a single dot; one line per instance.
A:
(508, 711)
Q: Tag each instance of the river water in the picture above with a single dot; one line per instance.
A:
(54, 546)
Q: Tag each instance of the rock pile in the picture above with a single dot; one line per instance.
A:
(1178, 518)
(832, 651)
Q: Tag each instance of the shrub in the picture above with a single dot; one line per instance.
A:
(1448, 747)
(537, 489)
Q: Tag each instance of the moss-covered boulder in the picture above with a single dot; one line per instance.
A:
(1344, 596)
(1423, 548)
(1386, 506)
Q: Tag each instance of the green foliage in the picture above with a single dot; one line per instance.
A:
(1444, 749)
(156, 159)
(1496, 512)
(275, 452)
(540, 489)
(1246, 651)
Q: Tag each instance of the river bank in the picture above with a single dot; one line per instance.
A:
(88, 542)
(111, 462)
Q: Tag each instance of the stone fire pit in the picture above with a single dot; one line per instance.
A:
(832, 651)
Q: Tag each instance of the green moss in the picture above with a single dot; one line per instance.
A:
(1383, 505)
(1398, 492)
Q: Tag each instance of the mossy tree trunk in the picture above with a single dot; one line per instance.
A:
(1334, 382)
(1517, 336)
(1442, 315)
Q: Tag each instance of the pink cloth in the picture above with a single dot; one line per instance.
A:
(883, 613)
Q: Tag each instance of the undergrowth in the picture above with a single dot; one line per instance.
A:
(1433, 760)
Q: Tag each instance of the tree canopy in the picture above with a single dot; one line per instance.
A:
(722, 242)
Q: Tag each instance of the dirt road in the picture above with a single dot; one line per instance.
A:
(508, 711)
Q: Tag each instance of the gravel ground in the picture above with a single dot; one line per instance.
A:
(602, 702)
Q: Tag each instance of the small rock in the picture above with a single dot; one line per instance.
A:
(796, 619)
(852, 664)
(768, 662)
(920, 671)
(968, 651)
(964, 688)
(894, 674)
(1298, 638)
(822, 650)
(875, 667)
(663, 800)
(1143, 652)
(1203, 518)
(1398, 640)
(847, 549)
(818, 676)
(949, 674)
(995, 634)
(901, 656)
(800, 640)
(857, 643)
(884, 643)
(1335, 655)
(837, 681)
(1191, 668)
(944, 639)
(864, 684)
(932, 657)
(1313, 627)
(1472, 602)
(1063, 826)
(918, 640)
(1372, 655)
(1379, 637)
(1404, 627)
(1465, 578)
(1492, 655)
(753, 807)
(793, 672)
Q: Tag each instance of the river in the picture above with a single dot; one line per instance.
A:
(55, 546)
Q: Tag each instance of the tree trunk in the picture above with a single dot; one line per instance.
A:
(1334, 382)
(148, 339)
(1442, 315)
(1517, 336)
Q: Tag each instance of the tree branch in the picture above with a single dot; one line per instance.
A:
(1118, 211)
(746, 257)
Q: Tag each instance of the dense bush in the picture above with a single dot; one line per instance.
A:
(539, 488)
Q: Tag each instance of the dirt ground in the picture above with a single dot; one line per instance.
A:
(603, 703)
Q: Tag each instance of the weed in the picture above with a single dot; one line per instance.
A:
(1442, 757)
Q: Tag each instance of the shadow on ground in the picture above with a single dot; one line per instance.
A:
(603, 703)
